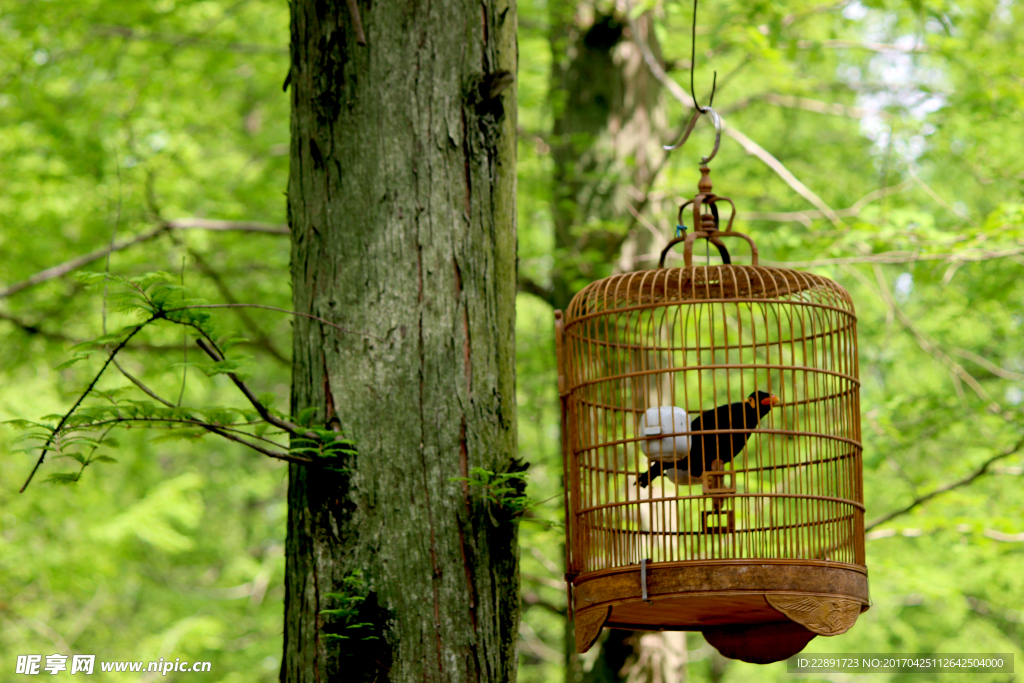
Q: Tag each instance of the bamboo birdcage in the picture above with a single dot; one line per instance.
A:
(764, 550)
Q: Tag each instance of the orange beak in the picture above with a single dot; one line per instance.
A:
(772, 400)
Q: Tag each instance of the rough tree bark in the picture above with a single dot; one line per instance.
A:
(401, 206)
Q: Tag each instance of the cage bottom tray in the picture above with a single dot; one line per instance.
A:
(756, 610)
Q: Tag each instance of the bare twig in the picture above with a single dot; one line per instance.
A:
(831, 7)
(63, 420)
(33, 329)
(817, 106)
(184, 345)
(78, 262)
(988, 365)
(901, 257)
(1003, 537)
(761, 153)
(534, 600)
(748, 145)
(226, 226)
(220, 430)
(279, 310)
(30, 328)
(806, 217)
(146, 390)
(290, 427)
(256, 330)
(525, 284)
(183, 224)
(639, 218)
(855, 45)
(981, 471)
(938, 198)
(957, 371)
(544, 581)
(178, 40)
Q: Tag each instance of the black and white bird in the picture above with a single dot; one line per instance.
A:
(704, 449)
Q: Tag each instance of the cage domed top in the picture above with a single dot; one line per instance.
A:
(711, 432)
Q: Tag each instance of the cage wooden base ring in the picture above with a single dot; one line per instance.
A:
(822, 598)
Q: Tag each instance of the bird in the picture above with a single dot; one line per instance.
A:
(675, 471)
(705, 449)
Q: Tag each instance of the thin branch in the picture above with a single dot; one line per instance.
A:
(250, 324)
(227, 226)
(616, 244)
(830, 8)
(525, 284)
(277, 455)
(32, 329)
(186, 40)
(855, 45)
(184, 345)
(981, 471)
(544, 581)
(182, 224)
(927, 344)
(994, 534)
(534, 600)
(290, 427)
(901, 257)
(806, 217)
(279, 310)
(816, 106)
(146, 390)
(63, 420)
(748, 145)
(988, 365)
(78, 262)
(761, 153)
(1003, 537)
(220, 430)
(938, 198)
(639, 218)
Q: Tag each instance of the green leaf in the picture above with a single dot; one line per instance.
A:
(75, 359)
(62, 478)
(305, 417)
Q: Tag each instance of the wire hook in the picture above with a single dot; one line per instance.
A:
(698, 110)
(693, 63)
(715, 118)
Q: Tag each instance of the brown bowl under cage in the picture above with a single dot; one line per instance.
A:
(764, 549)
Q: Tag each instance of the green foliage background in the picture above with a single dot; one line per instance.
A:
(116, 118)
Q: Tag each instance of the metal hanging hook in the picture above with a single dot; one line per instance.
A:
(698, 110)
(693, 64)
(715, 118)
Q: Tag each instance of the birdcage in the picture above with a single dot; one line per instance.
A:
(711, 438)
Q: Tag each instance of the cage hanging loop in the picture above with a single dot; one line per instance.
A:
(715, 118)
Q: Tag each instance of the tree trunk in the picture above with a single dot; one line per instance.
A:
(606, 139)
(401, 203)
(605, 144)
